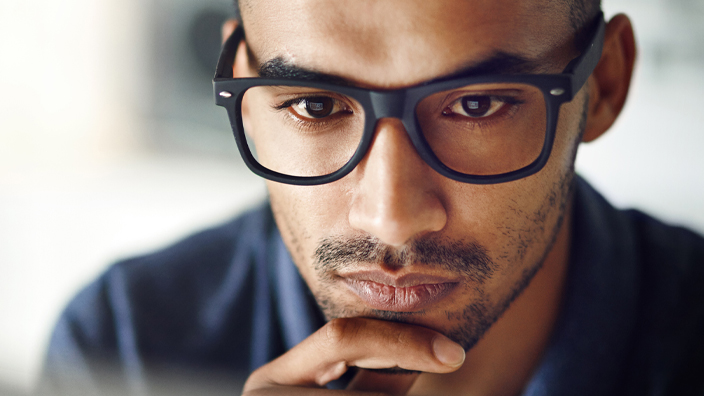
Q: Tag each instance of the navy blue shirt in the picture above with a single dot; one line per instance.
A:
(227, 300)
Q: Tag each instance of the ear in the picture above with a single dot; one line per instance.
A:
(241, 65)
(610, 81)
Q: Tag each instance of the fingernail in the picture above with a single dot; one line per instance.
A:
(448, 352)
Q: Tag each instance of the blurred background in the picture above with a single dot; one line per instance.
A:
(110, 144)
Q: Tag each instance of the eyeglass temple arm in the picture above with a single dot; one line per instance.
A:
(227, 56)
(582, 66)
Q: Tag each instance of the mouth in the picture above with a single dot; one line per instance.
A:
(408, 293)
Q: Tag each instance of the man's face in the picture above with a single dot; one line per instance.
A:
(394, 239)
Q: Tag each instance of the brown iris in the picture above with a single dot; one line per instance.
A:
(319, 107)
(476, 106)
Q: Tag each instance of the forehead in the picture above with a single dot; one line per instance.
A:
(393, 43)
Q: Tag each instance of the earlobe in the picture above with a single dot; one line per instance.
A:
(609, 84)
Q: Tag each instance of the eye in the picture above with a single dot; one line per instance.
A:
(475, 106)
(316, 107)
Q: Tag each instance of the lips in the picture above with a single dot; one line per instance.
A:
(408, 293)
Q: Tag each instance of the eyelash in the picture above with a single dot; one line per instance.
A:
(513, 102)
(310, 124)
(285, 105)
(314, 125)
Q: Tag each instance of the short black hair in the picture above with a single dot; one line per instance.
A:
(238, 13)
(582, 12)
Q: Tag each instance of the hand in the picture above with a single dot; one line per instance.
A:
(358, 342)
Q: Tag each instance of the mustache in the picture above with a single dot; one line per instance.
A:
(466, 258)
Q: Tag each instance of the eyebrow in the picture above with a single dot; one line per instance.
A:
(498, 63)
(281, 68)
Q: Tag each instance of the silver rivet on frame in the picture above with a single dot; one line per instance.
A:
(225, 94)
(557, 91)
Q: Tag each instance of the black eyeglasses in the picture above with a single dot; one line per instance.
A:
(480, 129)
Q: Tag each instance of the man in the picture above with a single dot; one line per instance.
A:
(420, 165)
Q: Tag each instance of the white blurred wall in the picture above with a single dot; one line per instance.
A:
(77, 187)
(61, 121)
(79, 190)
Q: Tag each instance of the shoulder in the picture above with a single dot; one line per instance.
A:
(668, 348)
(670, 273)
(177, 278)
(674, 253)
(670, 250)
(188, 304)
(197, 263)
(655, 276)
(671, 268)
(670, 330)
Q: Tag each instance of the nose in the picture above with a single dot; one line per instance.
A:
(396, 198)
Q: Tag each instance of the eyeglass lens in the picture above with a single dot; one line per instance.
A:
(481, 129)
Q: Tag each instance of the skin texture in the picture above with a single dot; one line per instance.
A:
(393, 204)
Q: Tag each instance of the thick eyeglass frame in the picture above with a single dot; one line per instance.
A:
(401, 103)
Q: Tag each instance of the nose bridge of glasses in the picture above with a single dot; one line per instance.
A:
(388, 104)
(393, 104)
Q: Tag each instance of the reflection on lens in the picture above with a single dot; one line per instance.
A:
(301, 131)
(485, 129)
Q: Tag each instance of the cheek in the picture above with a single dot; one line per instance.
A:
(516, 222)
(569, 132)
(527, 213)
(538, 203)
(306, 214)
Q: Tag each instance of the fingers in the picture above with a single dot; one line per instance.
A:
(364, 343)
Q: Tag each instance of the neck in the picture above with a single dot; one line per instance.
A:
(503, 361)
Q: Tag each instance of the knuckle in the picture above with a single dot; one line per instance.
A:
(258, 379)
(403, 339)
